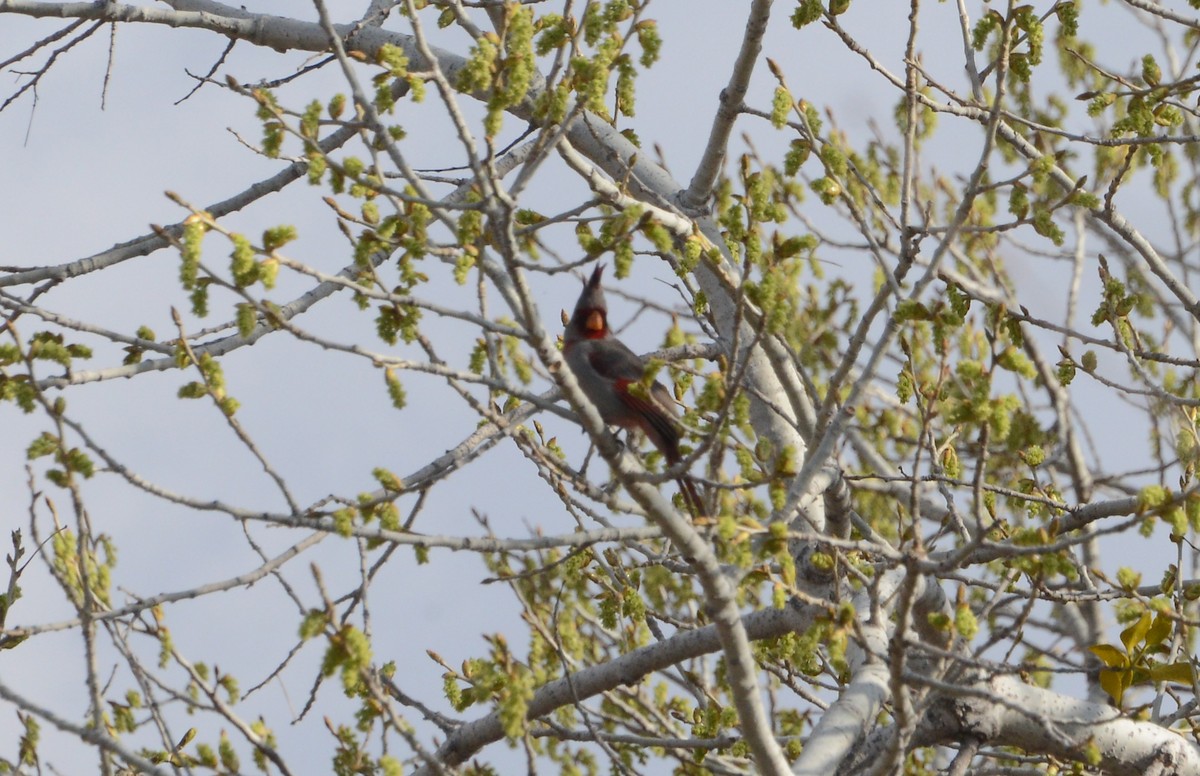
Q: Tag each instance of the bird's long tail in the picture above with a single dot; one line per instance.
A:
(691, 498)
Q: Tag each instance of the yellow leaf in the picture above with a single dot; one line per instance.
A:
(1114, 683)
(1110, 655)
(1180, 673)
(1135, 634)
(1160, 631)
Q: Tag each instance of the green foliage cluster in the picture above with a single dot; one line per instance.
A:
(17, 386)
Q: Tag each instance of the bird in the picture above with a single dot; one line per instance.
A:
(606, 370)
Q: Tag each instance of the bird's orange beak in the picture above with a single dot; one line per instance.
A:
(594, 322)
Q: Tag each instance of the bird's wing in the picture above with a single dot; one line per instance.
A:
(659, 423)
(615, 361)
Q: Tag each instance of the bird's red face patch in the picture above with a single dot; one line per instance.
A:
(594, 325)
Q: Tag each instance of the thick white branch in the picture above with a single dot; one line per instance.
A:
(1012, 713)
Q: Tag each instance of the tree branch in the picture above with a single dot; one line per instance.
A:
(729, 106)
(626, 669)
